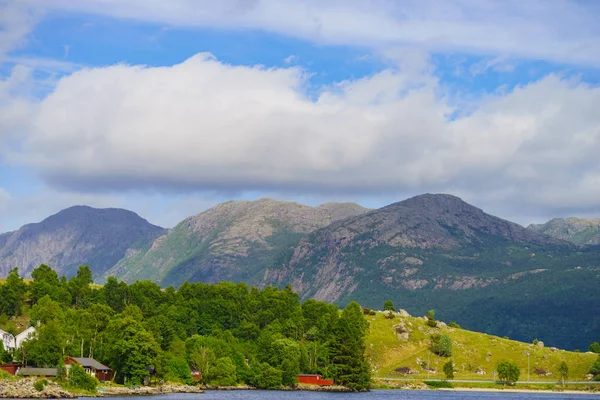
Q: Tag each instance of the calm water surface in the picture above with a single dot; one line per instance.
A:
(374, 395)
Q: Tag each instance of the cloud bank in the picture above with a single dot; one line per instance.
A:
(206, 125)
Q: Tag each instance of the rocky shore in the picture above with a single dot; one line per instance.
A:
(109, 391)
(24, 389)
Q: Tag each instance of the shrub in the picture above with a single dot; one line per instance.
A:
(269, 378)
(535, 342)
(595, 368)
(178, 370)
(390, 315)
(563, 370)
(403, 370)
(388, 305)
(5, 375)
(431, 318)
(438, 384)
(595, 347)
(449, 370)
(453, 324)
(78, 378)
(441, 345)
(368, 311)
(40, 384)
(223, 372)
(508, 372)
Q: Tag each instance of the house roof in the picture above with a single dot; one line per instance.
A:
(91, 363)
(30, 371)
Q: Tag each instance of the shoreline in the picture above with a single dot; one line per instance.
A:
(493, 390)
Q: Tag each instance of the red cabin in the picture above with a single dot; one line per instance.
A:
(314, 379)
(11, 368)
(92, 367)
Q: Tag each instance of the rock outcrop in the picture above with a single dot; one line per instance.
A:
(24, 389)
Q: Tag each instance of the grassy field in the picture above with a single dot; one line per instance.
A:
(472, 351)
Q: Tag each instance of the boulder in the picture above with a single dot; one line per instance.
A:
(403, 313)
(540, 344)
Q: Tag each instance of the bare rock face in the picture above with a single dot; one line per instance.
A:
(232, 241)
(580, 231)
(75, 236)
(389, 244)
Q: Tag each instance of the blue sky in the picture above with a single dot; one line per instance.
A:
(167, 108)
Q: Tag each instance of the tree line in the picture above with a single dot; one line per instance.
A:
(229, 333)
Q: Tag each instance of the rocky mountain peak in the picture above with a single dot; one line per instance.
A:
(581, 231)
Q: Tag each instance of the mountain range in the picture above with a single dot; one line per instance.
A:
(429, 251)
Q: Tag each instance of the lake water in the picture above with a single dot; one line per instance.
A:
(373, 395)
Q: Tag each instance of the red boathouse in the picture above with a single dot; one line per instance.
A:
(314, 379)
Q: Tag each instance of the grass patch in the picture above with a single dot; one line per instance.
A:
(472, 352)
(438, 384)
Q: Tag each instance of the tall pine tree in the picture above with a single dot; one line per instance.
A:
(348, 349)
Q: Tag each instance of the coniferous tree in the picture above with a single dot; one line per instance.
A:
(348, 347)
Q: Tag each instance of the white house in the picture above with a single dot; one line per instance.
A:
(8, 340)
(11, 342)
(27, 334)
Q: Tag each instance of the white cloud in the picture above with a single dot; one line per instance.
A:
(16, 21)
(292, 59)
(559, 30)
(205, 125)
(497, 64)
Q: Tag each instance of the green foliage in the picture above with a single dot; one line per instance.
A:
(5, 375)
(595, 368)
(130, 348)
(348, 347)
(40, 384)
(47, 349)
(78, 378)
(535, 342)
(390, 315)
(508, 372)
(595, 347)
(441, 345)
(11, 294)
(228, 332)
(431, 319)
(268, 378)
(5, 355)
(368, 311)
(449, 370)
(453, 324)
(438, 384)
(563, 370)
(46, 310)
(388, 305)
(223, 372)
(178, 370)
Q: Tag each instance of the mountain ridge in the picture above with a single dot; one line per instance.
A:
(581, 231)
(76, 235)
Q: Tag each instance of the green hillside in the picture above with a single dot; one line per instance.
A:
(471, 351)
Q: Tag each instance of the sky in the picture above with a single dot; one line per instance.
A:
(167, 108)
